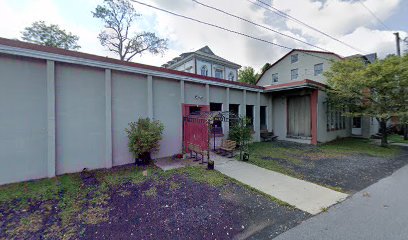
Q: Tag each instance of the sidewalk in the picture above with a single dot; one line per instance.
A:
(376, 213)
(306, 196)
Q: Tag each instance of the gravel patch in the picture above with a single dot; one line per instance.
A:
(351, 172)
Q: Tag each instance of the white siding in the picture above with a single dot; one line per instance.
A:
(305, 66)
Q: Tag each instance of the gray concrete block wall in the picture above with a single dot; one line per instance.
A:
(129, 97)
(23, 119)
(65, 117)
(80, 118)
(167, 109)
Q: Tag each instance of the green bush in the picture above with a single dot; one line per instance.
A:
(144, 136)
(240, 132)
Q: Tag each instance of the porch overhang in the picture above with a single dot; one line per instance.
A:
(304, 84)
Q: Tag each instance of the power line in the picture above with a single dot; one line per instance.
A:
(258, 25)
(373, 14)
(287, 16)
(223, 28)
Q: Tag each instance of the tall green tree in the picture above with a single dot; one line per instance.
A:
(378, 90)
(119, 17)
(247, 75)
(50, 35)
(265, 67)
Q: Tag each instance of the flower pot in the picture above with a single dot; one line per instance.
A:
(245, 157)
(210, 165)
(143, 159)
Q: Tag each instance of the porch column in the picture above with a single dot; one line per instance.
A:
(257, 122)
(51, 154)
(313, 108)
(150, 96)
(270, 114)
(244, 102)
(182, 95)
(108, 117)
(226, 109)
(207, 94)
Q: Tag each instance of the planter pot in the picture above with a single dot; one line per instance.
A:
(210, 165)
(143, 159)
(245, 157)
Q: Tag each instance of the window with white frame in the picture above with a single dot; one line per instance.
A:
(204, 71)
(335, 119)
(294, 58)
(294, 74)
(231, 76)
(219, 73)
(318, 69)
(275, 77)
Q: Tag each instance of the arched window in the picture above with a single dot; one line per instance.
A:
(231, 76)
(204, 70)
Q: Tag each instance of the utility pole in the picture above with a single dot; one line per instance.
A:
(397, 40)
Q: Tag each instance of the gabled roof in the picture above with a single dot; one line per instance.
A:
(205, 52)
(44, 52)
(297, 50)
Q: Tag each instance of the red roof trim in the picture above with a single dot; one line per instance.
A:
(59, 51)
(299, 50)
(296, 84)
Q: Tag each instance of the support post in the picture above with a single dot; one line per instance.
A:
(150, 96)
(244, 103)
(51, 155)
(226, 109)
(108, 117)
(313, 107)
(257, 123)
(207, 94)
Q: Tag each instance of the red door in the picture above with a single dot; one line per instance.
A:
(195, 127)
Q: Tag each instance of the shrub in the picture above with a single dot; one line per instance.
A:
(241, 133)
(144, 136)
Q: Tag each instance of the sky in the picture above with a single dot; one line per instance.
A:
(346, 20)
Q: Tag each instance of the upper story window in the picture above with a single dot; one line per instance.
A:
(231, 76)
(294, 74)
(294, 58)
(219, 73)
(204, 70)
(275, 77)
(318, 69)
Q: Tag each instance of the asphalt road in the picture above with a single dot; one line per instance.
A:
(377, 212)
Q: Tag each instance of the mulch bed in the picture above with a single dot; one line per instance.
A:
(175, 208)
(192, 211)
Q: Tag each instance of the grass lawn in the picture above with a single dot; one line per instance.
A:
(338, 164)
(397, 139)
(135, 203)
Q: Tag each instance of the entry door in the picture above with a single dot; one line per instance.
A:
(299, 117)
(195, 129)
(356, 130)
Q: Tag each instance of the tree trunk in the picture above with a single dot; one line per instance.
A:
(383, 125)
(405, 131)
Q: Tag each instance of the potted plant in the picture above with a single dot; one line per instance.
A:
(210, 165)
(241, 133)
(144, 137)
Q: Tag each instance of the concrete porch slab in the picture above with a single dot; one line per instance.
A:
(306, 196)
(169, 163)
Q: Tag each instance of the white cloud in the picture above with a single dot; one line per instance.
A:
(346, 20)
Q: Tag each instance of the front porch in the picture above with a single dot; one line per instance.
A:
(295, 111)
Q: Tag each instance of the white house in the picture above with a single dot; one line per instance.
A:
(300, 110)
(204, 62)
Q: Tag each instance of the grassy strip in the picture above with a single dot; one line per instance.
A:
(397, 139)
